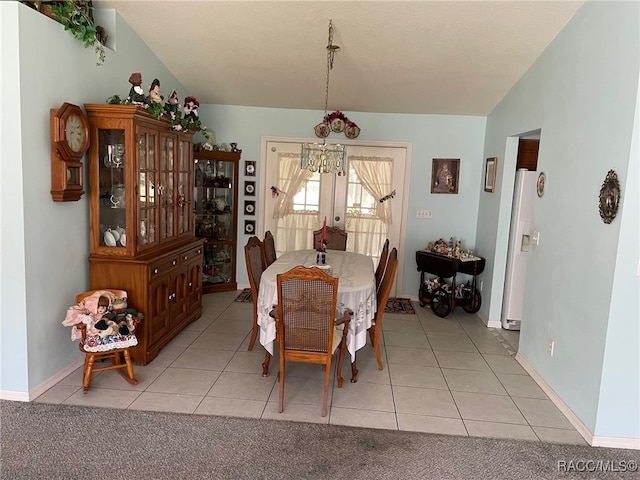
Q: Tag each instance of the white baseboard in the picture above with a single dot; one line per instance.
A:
(51, 381)
(616, 442)
(43, 387)
(14, 395)
(594, 441)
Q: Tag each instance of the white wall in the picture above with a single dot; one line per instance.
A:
(431, 136)
(45, 244)
(581, 93)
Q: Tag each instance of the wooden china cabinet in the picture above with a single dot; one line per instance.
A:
(141, 220)
(215, 197)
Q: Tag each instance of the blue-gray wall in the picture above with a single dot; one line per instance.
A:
(582, 289)
(431, 136)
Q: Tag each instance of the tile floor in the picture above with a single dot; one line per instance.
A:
(441, 375)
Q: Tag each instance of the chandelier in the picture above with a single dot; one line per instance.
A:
(324, 157)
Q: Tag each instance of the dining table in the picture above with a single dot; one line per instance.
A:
(356, 291)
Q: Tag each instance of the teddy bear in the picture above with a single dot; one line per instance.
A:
(120, 319)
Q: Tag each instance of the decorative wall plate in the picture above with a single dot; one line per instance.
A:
(542, 179)
(609, 197)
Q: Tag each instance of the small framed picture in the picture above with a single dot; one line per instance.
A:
(490, 168)
(249, 207)
(444, 175)
(249, 227)
(250, 189)
(250, 168)
(542, 180)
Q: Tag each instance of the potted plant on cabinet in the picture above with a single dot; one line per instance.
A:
(76, 16)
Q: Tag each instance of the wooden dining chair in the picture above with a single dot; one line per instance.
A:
(269, 248)
(97, 348)
(254, 258)
(382, 263)
(306, 326)
(375, 331)
(336, 239)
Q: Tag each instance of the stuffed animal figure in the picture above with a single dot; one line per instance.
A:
(191, 108)
(171, 107)
(88, 311)
(136, 94)
(154, 92)
(120, 318)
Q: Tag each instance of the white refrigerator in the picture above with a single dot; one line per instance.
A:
(519, 244)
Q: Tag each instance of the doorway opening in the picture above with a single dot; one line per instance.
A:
(520, 232)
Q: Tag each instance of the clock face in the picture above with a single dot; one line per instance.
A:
(74, 132)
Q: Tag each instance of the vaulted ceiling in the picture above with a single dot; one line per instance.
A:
(427, 57)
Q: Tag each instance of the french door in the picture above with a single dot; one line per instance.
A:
(345, 201)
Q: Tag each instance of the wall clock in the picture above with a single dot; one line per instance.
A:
(609, 197)
(69, 143)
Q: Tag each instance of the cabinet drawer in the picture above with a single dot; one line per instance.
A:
(188, 255)
(163, 266)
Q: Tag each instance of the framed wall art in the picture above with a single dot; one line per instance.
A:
(250, 189)
(609, 197)
(250, 168)
(249, 207)
(490, 168)
(444, 175)
(249, 227)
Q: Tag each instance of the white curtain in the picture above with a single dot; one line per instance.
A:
(368, 233)
(375, 176)
(295, 231)
(294, 228)
(291, 179)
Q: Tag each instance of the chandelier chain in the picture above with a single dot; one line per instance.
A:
(325, 158)
(331, 50)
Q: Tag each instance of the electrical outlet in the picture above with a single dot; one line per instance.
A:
(552, 344)
(424, 214)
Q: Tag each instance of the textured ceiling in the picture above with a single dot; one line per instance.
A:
(448, 57)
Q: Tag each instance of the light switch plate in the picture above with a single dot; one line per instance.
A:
(535, 237)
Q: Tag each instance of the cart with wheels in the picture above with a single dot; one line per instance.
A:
(446, 297)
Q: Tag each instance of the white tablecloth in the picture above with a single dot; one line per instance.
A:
(356, 290)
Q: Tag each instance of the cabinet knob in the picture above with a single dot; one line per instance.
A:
(199, 251)
(186, 257)
(169, 297)
(174, 262)
(190, 284)
(155, 270)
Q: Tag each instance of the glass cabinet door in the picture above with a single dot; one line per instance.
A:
(167, 187)
(148, 188)
(112, 188)
(183, 199)
(214, 217)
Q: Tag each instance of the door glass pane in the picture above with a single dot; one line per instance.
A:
(112, 188)
(147, 188)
